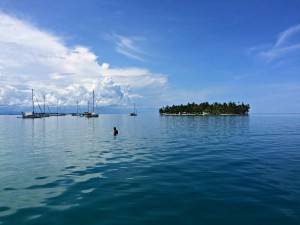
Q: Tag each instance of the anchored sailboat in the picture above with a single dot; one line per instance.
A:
(31, 115)
(134, 113)
(77, 113)
(91, 114)
(44, 114)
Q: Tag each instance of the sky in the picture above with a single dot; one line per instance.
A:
(151, 53)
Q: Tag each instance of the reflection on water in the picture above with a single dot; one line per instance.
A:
(158, 170)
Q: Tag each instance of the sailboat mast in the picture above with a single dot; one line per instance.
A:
(93, 100)
(32, 101)
(44, 104)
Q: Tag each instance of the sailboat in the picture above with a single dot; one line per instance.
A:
(57, 113)
(77, 113)
(91, 114)
(134, 113)
(44, 114)
(31, 115)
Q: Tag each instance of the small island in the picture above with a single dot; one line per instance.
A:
(219, 109)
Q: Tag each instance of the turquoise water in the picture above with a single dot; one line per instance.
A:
(158, 170)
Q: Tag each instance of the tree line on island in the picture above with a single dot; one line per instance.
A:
(204, 108)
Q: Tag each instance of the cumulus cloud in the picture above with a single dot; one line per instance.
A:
(31, 58)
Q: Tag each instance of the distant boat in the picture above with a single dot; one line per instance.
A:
(91, 114)
(58, 109)
(44, 114)
(134, 113)
(77, 113)
(31, 115)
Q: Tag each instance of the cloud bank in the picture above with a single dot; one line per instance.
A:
(31, 58)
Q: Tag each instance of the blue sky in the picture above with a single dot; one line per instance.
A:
(154, 53)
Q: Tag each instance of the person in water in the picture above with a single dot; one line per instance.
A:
(115, 131)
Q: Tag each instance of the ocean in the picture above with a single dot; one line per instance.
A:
(158, 170)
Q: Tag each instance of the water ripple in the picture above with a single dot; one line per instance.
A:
(158, 170)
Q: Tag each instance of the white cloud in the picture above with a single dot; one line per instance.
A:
(126, 46)
(279, 52)
(285, 35)
(288, 42)
(32, 58)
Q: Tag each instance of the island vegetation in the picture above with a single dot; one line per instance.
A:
(205, 108)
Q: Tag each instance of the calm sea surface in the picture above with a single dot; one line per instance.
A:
(158, 170)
